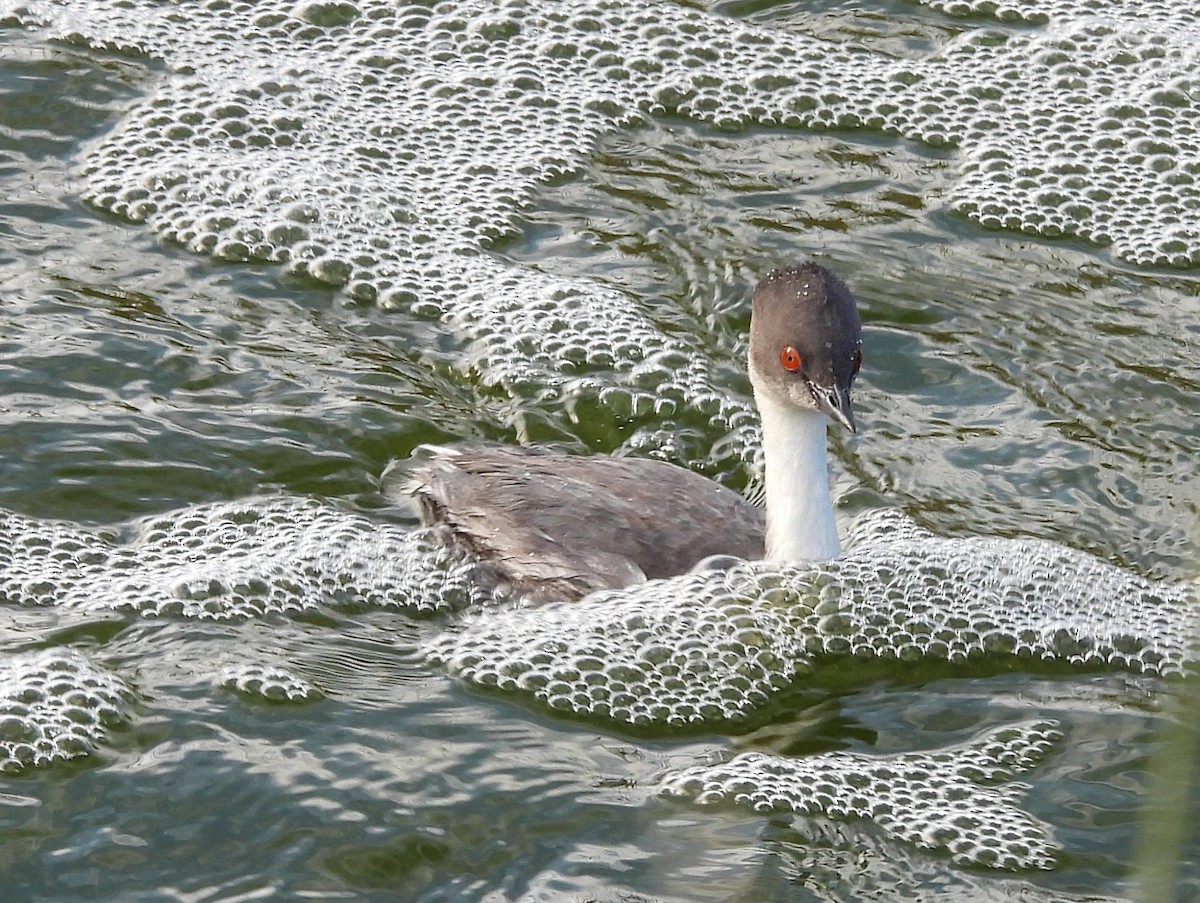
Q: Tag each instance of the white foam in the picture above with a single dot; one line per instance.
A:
(55, 704)
(950, 799)
(231, 560)
(716, 646)
(268, 682)
(700, 650)
(382, 149)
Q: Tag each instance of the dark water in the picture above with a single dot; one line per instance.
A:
(1013, 385)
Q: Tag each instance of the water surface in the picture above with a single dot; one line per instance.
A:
(1014, 384)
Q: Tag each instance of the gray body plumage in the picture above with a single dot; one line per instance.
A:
(558, 526)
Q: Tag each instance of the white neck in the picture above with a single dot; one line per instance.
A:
(800, 524)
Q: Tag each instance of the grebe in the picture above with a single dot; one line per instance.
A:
(555, 526)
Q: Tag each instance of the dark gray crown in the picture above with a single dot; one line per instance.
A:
(810, 310)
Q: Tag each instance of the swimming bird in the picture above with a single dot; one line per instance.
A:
(555, 526)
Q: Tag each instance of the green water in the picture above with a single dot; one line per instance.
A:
(1012, 385)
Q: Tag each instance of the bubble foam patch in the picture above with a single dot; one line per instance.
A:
(55, 705)
(232, 560)
(269, 682)
(948, 799)
(715, 646)
(382, 148)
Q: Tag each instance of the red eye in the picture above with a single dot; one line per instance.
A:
(789, 358)
(856, 360)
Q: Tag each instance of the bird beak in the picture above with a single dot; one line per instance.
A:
(834, 401)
